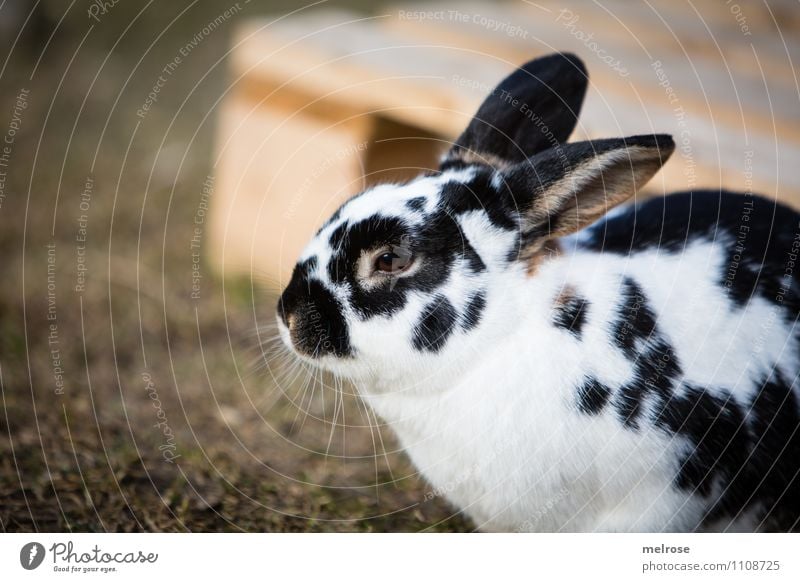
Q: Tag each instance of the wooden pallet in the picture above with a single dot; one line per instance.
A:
(325, 103)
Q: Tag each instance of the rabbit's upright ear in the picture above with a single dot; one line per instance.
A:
(561, 190)
(533, 109)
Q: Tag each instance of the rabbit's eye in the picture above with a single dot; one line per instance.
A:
(393, 262)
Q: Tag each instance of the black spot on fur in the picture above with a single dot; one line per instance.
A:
(335, 216)
(319, 326)
(756, 234)
(748, 457)
(416, 204)
(295, 290)
(775, 462)
(571, 315)
(592, 396)
(337, 236)
(474, 260)
(531, 110)
(438, 242)
(766, 473)
(656, 372)
(309, 264)
(741, 456)
(656, 366)
(435, 325)
(480, 194)
(636, 322)
(348, 242)
(759, 254)
(713, 423)
(474, 310)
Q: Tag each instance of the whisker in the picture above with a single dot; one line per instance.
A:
(383, 445)
(374, 444)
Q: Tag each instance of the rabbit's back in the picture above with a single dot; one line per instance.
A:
(706, 310)
(549, 369)
(762, 238)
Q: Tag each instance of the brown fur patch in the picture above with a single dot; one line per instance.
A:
(567, 294)
(544, 252)
(594, 187)
(483, 158)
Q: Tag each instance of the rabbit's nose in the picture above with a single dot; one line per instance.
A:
(285, 310)
(291, 321)
(280, 310)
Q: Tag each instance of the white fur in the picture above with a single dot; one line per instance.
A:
(497, 428)
(491, 419)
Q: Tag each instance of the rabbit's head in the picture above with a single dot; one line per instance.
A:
(409, 276)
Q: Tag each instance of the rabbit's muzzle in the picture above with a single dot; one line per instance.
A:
(314, 318)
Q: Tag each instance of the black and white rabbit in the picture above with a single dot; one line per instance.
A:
(553, 368)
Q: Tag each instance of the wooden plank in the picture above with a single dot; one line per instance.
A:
(278, 178)
(636, 103)
(706, 31)
(353, 62)
(327, 102)
(701, 86)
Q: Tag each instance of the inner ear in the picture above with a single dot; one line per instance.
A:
(533, 109)
(574, 185)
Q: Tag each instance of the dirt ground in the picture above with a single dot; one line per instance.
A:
(126, 405)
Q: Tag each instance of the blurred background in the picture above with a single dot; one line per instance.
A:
(162, 163)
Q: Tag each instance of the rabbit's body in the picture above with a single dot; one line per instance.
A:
(549, 367)
(625, 411)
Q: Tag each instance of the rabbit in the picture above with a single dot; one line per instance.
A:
(554, 359)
